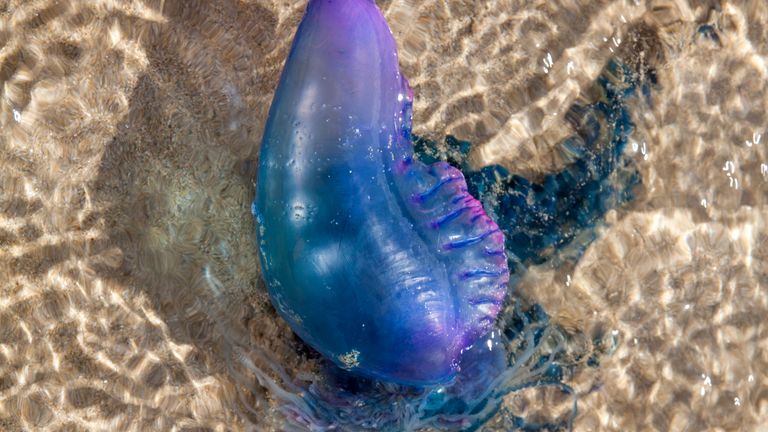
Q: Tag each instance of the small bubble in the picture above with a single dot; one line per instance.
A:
(16, 115)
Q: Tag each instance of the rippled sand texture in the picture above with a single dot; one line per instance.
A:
(129, 291)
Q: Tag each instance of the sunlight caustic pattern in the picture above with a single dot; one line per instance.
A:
(128, 291)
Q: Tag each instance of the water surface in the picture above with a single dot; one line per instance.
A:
(129, 284)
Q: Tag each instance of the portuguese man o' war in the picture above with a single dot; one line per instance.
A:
(394, 259)
(383, 264)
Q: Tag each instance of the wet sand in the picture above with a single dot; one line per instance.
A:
(129, 131)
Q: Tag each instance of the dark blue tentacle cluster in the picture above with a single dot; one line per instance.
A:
(556, 215)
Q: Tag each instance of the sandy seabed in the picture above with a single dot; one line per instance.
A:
(129, 130)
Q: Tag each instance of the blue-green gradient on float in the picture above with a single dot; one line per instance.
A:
(385, 265)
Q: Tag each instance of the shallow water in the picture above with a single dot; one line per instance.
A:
(130, 296)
